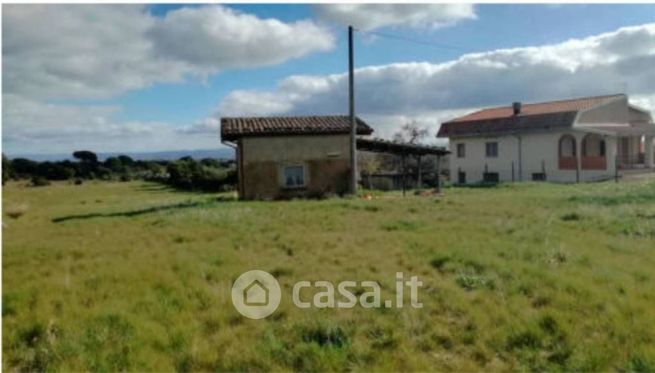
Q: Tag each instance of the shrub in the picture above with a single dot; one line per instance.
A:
(401, 225)
(38, 181)
(573, 216)
(528, 339)
(108, 343)
(439, 262)
(639, 364)
(324, 335)
(472, 281)
(559, 257)
(281, 272)
(16, 211)
(382, 338)
(38, 355)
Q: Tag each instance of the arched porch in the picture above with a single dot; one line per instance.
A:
(567, 153)
(593, 153)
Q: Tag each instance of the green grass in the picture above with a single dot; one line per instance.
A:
(133, 276)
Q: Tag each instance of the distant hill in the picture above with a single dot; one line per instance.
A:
(224, 153)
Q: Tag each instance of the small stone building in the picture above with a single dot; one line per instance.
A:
(286, 157)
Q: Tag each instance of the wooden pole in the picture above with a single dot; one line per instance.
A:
(520, 159)
(402, 162)
(438, 173)
(419, 179)
(577, 160)
(353, 122)
(513, 179)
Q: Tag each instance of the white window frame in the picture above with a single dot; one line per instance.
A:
(486, 149)
(284, 175)
(457, 147)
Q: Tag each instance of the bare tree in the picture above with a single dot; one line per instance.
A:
(411, 133)
(369, 163)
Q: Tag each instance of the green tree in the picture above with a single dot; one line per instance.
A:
(114, 164)
(88, 163)
(126, 161)
(86, 156)
(6, 169)
(23, 168)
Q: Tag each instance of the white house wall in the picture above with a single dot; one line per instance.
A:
(537, 149)
(612, 112)
(640, 119)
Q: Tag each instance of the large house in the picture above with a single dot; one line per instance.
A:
(284, 157)
(584, 139)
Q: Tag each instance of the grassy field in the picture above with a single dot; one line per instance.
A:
(133, 276)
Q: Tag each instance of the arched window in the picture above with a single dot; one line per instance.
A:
(593, 146)
(567, 153)
(567, 146)
(593, 152)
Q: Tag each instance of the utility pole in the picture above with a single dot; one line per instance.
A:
(353, 122)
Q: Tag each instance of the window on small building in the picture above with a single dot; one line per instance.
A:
(461, 150)
(490, 177)
(461, 177)
(294, 176)
(492, 149)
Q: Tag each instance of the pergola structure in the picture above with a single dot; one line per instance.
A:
(403, 150)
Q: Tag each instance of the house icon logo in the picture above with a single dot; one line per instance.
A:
(256, 294)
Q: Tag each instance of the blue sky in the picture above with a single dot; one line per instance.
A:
(497, 26)
(187, 93)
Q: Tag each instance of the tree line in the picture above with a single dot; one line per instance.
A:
(207, 174)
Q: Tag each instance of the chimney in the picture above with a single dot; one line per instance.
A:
(517, 108)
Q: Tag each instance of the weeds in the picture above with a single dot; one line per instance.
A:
(571, 216)
(401, 225)
(439, 262)
(16, 211)
(382, 338)
(639, 364)
(469, 281)
(324, 335)
(142, 280)
(108, 342)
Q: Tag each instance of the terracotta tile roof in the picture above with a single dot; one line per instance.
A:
(538, 116)
(235, 128)
(386, 146)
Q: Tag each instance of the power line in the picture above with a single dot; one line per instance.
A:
(410, 40)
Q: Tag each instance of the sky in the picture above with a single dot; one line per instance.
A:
(139, 78)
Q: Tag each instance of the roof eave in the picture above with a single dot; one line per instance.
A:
(584, 111)
(234, 137)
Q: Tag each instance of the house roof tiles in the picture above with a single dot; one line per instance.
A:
(233, 128)
(532, 117)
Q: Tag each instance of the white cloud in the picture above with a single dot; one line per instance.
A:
(204, 126)
(606, 63)
(217, 37)
(90, 52)
(387, 125)
(79, 51)
(99, 51)
(35, 127)
(372, 16)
